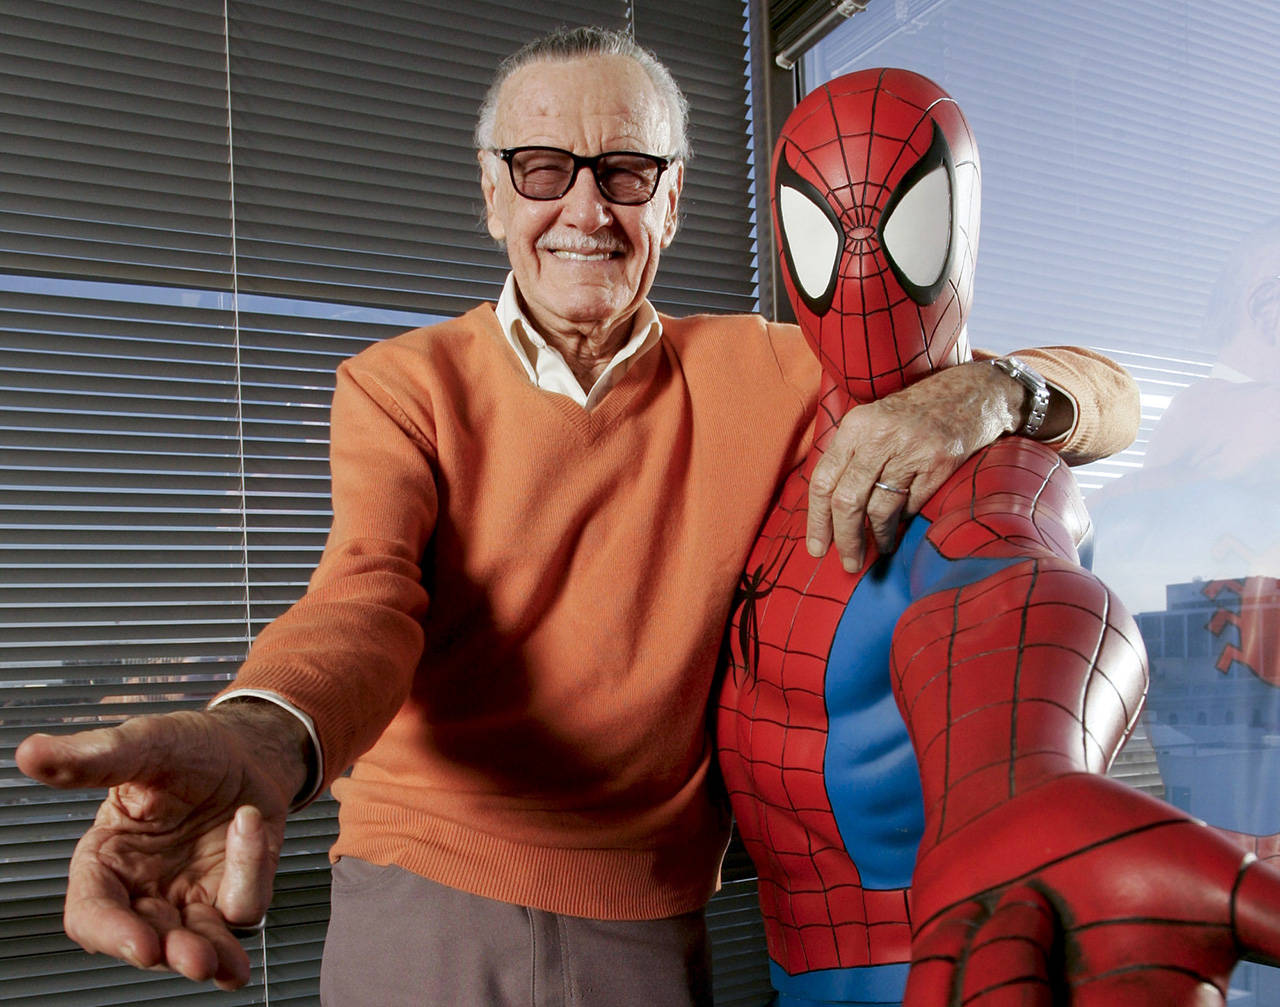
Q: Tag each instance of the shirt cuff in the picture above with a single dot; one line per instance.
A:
(310, 788)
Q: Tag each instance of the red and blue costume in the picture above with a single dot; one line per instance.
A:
(914, 751)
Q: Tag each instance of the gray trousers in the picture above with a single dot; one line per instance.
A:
(398, 940)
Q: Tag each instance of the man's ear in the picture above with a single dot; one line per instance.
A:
(672, 222)
(489, 186)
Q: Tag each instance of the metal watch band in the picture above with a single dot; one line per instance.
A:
(1035, 384)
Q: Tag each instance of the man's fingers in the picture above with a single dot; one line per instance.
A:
(185, 951)
(852, 488)
(105, 927)
(858, 501)
(196, 943)
(98, 914)
(150, 932)
(821, 485)
(885, 509)
(103, 757)
(231, 969)
(825, 481)
(75, 760)
(848, 519)
(915, 438)
(251, 859)
(838, 493)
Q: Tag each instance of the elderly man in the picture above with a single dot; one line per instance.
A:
(540, 514)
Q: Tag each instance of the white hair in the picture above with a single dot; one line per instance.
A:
(574, 43)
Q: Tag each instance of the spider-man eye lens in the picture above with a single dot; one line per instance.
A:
(815, 242)
(918, 222)
(811, 237)
(918, 231)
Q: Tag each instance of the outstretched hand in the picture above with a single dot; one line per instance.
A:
(187, 841)
(1085, 892)
(911, 441)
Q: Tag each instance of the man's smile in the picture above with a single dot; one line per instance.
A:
(568, 253)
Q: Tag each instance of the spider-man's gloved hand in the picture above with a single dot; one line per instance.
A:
(1085, 892)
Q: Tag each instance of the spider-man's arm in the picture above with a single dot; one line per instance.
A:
(1039, 880)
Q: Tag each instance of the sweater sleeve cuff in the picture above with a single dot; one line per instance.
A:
(310, 788)
(1104, 400)
(1057, 389)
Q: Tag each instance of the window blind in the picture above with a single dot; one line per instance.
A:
(115, 147)
(704, 44)
(204, 207)
(163, 495)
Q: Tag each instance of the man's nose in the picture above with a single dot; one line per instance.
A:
(584, 205)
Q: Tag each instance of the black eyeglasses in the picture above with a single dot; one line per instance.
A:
(622, 176)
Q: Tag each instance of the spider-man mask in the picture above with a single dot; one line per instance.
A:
(876, 205)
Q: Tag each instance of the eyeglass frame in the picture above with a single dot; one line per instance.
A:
(507, 154)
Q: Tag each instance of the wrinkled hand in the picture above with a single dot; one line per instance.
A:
(912, 440)
(185, 844)
(1086, 893)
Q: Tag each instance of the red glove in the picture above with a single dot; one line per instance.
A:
(1087, 893)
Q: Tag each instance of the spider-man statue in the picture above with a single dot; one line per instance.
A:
(914, 752)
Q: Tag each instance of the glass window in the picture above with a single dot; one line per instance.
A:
(1130, 204)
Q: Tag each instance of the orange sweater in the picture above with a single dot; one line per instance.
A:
(536, 733)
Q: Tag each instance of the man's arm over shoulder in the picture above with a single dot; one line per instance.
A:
(888, 456)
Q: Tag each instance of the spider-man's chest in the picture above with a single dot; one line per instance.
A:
(807, 717)
(792, 613)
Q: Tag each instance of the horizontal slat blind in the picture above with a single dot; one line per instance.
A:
(163, 415)
(115, 141)
(287, 366)
(120, 476)
(356, 180)
(710, 266)
(163, 494)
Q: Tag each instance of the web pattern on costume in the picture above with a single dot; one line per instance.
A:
(772, 733)
(1183, 908)
(1032, 670)
(860, 149)
(811, 645)
(1004, 528)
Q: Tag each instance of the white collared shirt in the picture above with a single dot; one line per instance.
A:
(547, 368)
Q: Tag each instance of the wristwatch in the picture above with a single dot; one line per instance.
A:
(1036, 387)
